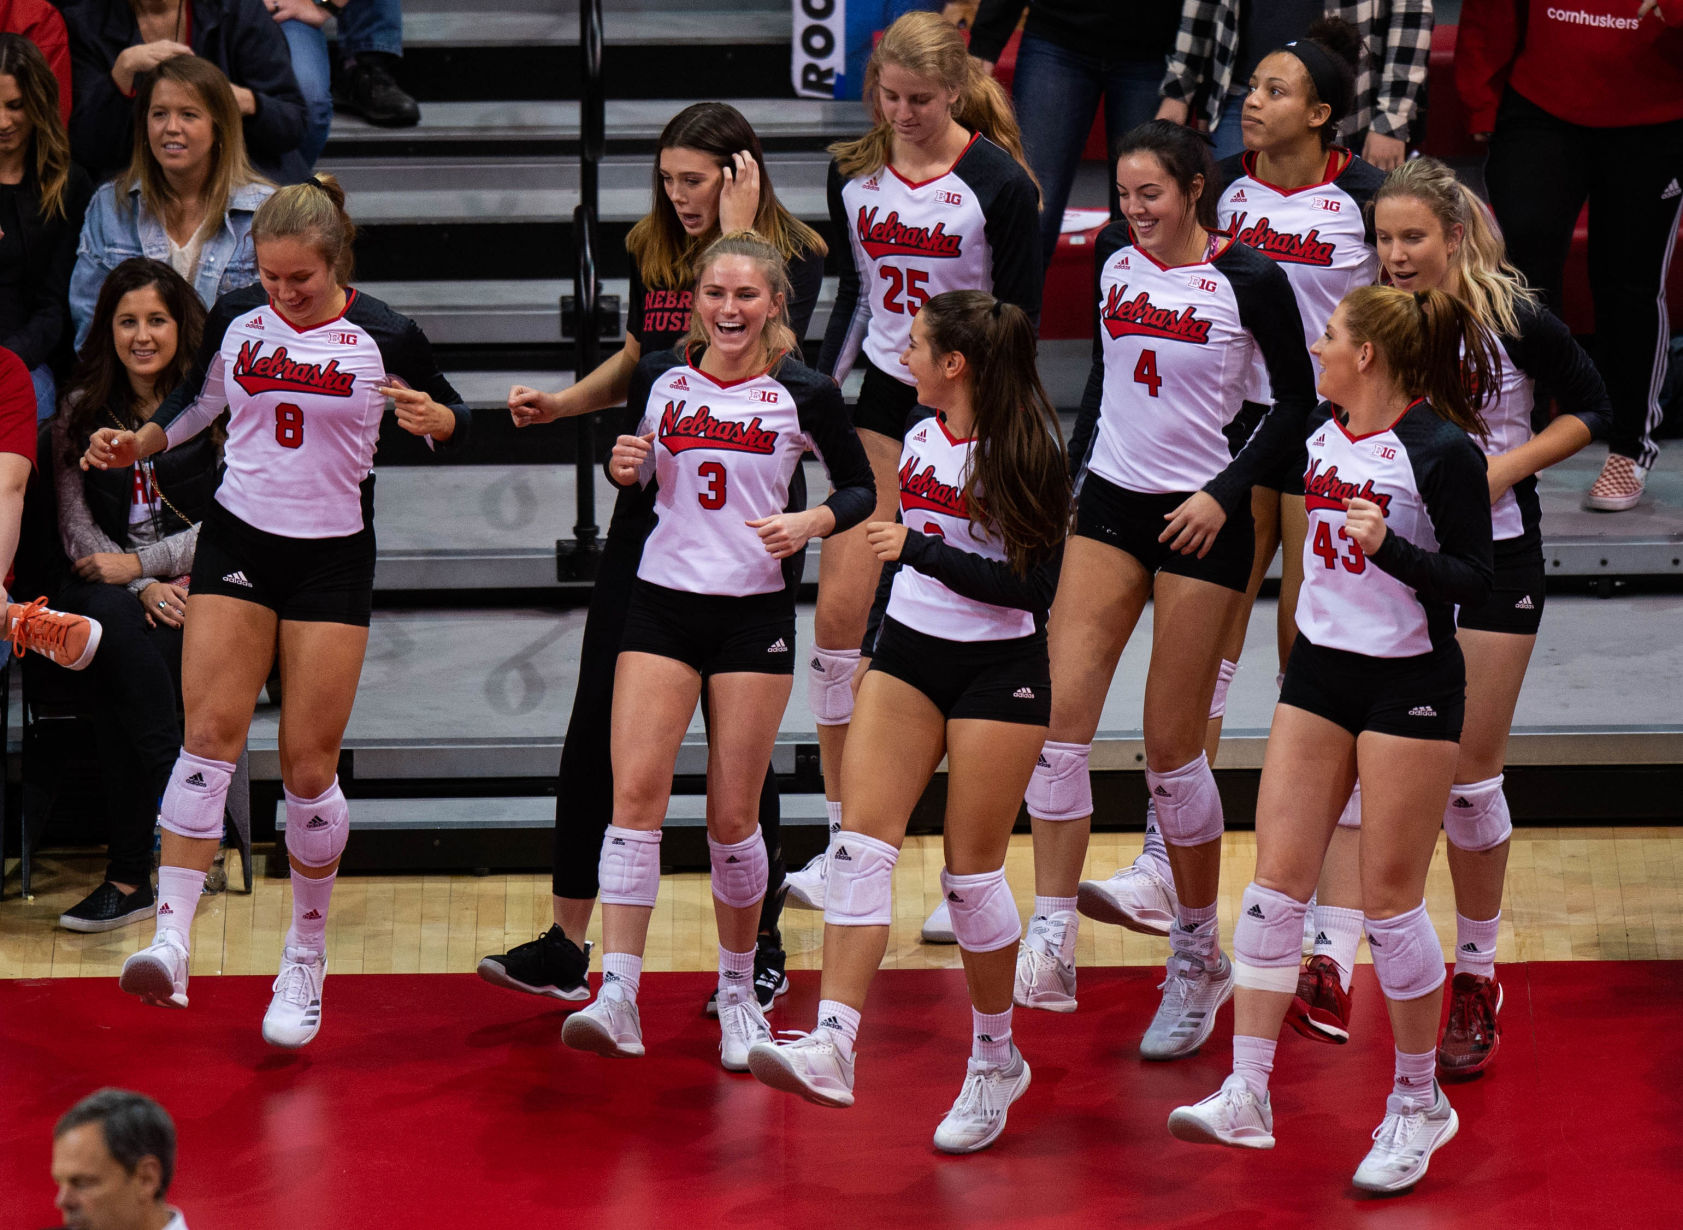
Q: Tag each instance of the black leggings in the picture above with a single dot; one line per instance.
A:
(584, 788)
(1541, 171)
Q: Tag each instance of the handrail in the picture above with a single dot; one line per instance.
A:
(587, 287)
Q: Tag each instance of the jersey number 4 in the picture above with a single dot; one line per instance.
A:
(1353, 559)
(1145, 372)
(907, 289)
(713, 498)
(289, 425)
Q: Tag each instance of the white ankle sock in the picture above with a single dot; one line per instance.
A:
(1414, 1076)
(1196, 931)
(1338, 933)
(736, 975)
(842, 1023)
(1253, 1060)
(621, 975)
(832, 812)
(1155, 856)
(309, 912)
(991, 1036)
(1475, 946)
(179, 889)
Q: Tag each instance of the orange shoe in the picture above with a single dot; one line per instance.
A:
(68, 640)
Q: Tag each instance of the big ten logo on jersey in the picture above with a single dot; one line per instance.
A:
(341, 339)
(1283, 246)
(949, 198)
(667, 311)
(920, 490)
(769, 396)
(1200, 282)
(1326, 204)
(1139, 315)
(1385, 452)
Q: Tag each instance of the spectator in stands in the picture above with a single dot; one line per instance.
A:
(1074, 51)
(43, 198)
(131, 534)
(41, 24)
(1220, 43)
(115, 43)
(113, 1160)
(370, 49)
(187, 197)
(1585, 103)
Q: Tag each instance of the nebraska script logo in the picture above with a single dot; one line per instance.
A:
(926, 492)
(1140, 315)
(680, 432)
(892, 237)
(256, 373)
(1325, 489)
(1283, 246)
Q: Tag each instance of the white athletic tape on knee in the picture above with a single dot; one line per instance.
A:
(1061, 788)
(1351, 816)
(629, 872)
(1407, 958)
(1476, 817)
(317, 829)
(983, 912)
(196, 797)
(859, 891)
(829, 685)
(740, 870)
(1188, 803)
(1268, 939)
(1218, 698)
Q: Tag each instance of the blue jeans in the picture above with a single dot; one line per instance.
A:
(46, 392)
(1056, 92)
(371, 25)
(368, 25)
(1229, 136)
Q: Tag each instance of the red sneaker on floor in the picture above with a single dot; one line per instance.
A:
(1473, 1033)
(1320, 1010)
(68, 640)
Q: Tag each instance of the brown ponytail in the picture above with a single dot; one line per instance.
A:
(1435, 346)
(314, 211)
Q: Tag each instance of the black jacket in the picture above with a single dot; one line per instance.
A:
(35, 322)
(186, 476)
(238, 36)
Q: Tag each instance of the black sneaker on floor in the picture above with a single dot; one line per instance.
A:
(370, 90)
(549, 965)
(769, 979)
(109, 907)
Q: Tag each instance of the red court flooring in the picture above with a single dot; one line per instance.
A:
(434, 1100)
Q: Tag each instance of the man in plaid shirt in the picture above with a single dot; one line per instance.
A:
(1397, 35)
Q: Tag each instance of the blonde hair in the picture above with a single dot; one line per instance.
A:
(315, 211)
(778, 338)
(928, 47)
(1490, 286)
(1435, 346)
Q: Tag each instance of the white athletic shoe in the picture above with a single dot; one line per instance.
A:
(740, 1026)
(294, 1014)
(1136, 897)
(806, 886)
(811, 1065)
(1044, 979)
(1231, 1115)
(158, 972)
(1404, 1142)
(1192, 993)
(609, 1026)
(978, 1117)
(938, 927)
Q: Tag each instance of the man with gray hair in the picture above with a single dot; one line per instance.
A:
(113, 1159)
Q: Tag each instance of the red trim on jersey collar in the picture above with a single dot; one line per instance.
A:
(974, 137)
(731, 384)
(1338, 161)
(941, 422)
(1368, 435)
(1223, 242)
(350, 298)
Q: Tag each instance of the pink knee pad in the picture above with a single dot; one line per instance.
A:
(317, 829)
(196, 797)
(983, 912)
(1476, 818)
(740, 871)
(829, 685)
(1407, 958)
(1268, 939)
(1188, 803)
(1061, 788)
(629, 873)
(859, 889)
(1218, 698)
(1351, 816)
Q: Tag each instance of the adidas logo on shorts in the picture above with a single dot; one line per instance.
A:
(1024, 694)
(1422, 711)
(778, 646)
(238, 578)
(1525, 604)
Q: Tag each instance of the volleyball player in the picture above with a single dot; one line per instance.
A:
(957, 667)
(1434, 233)
(724, 427)
(935, 197)
(1185, 314)
(305, 363)
(709, 178)
(1399, 533)
(1300, 199)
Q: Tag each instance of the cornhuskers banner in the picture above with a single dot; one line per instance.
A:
(833, 39)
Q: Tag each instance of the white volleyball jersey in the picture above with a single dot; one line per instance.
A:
(305, 408)
(933, 465)
(1175, 352)
(1428, 478)
(972, 227)
(723, 456)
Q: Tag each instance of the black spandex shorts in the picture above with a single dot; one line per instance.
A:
(1515, 604)
(1132, 520)
(717, 634)
(1422, 697)
(884, 403)
(311, 580)
(990, 681)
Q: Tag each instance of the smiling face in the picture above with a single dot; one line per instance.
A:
(930, 371)
(919, 109)
(16, 128)
(1414, 249)
(297, 279)
(735, 301)
(692, 180)
(179, 129)
(145, 335)
(1278, 112)
(94, 1191)
(1159, 213)
(1343, 360)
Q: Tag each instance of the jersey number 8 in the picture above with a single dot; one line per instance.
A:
(289, 425)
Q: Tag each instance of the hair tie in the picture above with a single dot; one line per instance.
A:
(1323, 71)
(998, 307)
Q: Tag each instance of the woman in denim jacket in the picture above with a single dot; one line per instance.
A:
(187, 198)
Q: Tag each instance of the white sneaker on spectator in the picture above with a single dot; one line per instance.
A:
(158, 972)
(294, 1014)
(978, 1116)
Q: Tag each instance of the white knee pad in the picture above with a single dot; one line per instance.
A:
(829, 685)
(984, 915)
(317, 829)
(1407, 958)
(629, 873)
(859, 891)
(1188, 803)
(1061, 788)
(739, 871)
(1351, 816)
(1476, 817)
(1268, 939)
(196, 796)
(1218, 698)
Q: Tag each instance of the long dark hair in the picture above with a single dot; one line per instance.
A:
(1435, 346)
(100, 387)
(1017, 480)
(49, 155)
(1185, 156)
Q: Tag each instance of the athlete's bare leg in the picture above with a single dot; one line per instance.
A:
(1496, 665)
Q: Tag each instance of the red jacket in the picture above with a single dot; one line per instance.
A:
(1588, 62)
(40, 23)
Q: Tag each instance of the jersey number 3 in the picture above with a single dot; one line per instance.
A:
(289, 425)
(1353, 559)
(713, 498)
